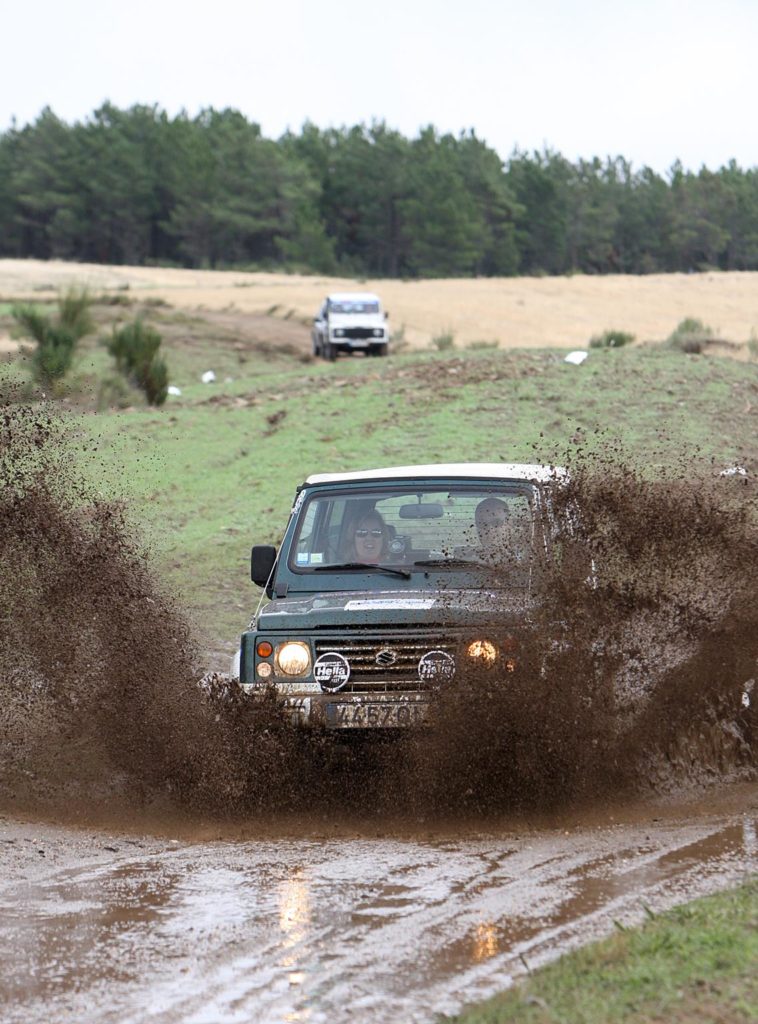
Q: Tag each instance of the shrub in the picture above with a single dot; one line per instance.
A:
(74, 312)
(690, 336)
(444, 342)
(135, 349)
(611, 339)
(483, 343)
(56, 337)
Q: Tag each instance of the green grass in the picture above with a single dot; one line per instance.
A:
(692, 964)
(207, 475)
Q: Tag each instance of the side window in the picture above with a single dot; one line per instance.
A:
(302, 555)
(320, 529)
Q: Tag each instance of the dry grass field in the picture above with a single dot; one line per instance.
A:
(517, 312)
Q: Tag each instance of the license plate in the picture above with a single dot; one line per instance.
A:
(376, 716)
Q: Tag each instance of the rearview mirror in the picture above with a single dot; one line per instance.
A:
(422, 510)
(262, 561)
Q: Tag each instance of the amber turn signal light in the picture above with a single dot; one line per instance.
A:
(264, 649)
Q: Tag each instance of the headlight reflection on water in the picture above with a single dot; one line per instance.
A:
(486, 941)
(294, 918)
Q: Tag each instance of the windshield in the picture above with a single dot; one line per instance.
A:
(354, 306)
(417, 527)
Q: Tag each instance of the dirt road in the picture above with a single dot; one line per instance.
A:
(333, 925)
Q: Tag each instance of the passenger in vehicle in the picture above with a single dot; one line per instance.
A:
(497, 533)
(370, 539)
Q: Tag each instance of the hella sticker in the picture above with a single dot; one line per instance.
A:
(331, 671)
(436, 667)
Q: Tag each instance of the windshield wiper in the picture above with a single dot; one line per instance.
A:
(432, 562)
(403, 573)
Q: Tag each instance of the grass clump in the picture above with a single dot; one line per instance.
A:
(56, 336)
(481, 344)
(135, 349)
(690, 336)
(444, 342)
(696, 962)
(611, 339)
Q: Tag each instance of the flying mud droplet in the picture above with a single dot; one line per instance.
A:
(635, 669)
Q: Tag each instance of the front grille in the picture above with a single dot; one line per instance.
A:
(368, 674)
(359, 332)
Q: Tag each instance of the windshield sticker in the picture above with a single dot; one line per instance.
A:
(317, 558)
(368, 605)
(331, 671)
(302, 558)
(436, 667)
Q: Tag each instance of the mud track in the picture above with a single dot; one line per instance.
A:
(335, 925)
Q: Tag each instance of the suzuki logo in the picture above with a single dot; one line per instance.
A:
(386, 657)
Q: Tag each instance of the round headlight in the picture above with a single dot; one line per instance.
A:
(483, 652)
(338, 332)
(293, 658)
(378, 332)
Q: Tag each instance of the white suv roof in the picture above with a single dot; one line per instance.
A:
(353, 297)
(464, 470)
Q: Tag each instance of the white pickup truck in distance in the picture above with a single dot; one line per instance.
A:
(350, 322)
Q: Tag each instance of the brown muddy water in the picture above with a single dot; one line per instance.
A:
(304, 882)
(323, 927)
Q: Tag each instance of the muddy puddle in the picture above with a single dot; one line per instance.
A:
(368, 926)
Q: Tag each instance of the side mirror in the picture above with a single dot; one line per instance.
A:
(386, 314)
(262, 560)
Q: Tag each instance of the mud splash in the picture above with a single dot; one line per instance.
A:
(636, 672)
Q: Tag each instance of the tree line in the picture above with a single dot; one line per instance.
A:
(136, 186)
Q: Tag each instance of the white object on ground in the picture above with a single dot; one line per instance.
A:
(734, 471)
(577, 357)
(208, 377)
(174, 390)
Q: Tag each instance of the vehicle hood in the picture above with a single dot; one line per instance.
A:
(361, 608)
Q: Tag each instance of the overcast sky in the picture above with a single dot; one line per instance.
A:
(651, 80)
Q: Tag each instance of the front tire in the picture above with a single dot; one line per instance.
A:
(330, 351)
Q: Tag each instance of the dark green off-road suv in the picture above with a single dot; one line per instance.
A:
(390, 582)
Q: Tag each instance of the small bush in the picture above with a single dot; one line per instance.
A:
(444, 342)
(611, 339)
(117, 299)
(135, 349)
(56, 337)
(74, 312)
(155, 381)
(690, 336)
(483, 343)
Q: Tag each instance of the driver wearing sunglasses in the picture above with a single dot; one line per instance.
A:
(370, 539)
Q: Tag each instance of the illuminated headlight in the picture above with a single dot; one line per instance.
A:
(339, 333)
(483, 652)
(378, 332)
(293, 658)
